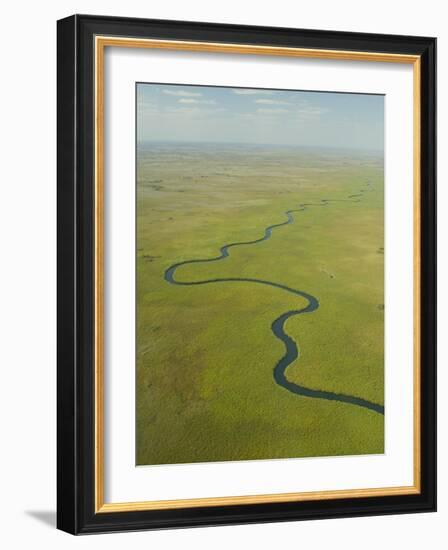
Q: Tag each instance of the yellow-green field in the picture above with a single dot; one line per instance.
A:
(206, 353)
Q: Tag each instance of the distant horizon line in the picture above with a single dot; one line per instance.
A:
(239, 143)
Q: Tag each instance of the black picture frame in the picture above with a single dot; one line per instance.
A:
(76, 254)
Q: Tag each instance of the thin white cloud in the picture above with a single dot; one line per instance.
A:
(247, 91)
(181, 93)
(310, 111)
(197, 101)
(272, 102)
(194, 110)
(268, 111)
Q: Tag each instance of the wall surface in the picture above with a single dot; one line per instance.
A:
(27, 292)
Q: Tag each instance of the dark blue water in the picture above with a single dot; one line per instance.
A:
(278, 326)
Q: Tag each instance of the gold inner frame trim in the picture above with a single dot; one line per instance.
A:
(101, 42)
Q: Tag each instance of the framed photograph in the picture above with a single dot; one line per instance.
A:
(246, 274)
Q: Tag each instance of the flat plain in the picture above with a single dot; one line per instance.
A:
(206, 352)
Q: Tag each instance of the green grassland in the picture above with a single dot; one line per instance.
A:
(206, 353)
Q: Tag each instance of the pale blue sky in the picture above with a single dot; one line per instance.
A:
(241, 115)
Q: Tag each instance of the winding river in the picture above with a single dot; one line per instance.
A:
(278, 325)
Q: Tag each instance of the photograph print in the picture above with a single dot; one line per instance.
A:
(259, 274)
